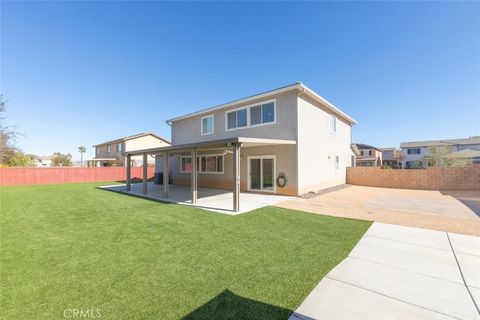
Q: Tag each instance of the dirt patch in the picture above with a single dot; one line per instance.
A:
(443, 211)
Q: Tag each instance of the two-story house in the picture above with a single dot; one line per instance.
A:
(415, 154)
(111, 153)
(391, 157)
(369, 156)
(286, 141)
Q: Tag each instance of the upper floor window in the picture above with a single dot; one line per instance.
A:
(361, 153)
(369, 152)
(109, 148)
(97, 150)
(237, 119)
(207, 124)
(119, 147)
(333, 124)
(254, 115)
(263, 113)
(413, 151)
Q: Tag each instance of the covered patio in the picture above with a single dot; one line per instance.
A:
(190, 194)
(217, 200)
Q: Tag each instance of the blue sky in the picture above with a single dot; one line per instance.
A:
(80, 73)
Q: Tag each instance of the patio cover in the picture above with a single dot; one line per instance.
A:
(234, 143)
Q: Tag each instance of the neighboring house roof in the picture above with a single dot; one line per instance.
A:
(362, 146)
(44, 157)
(135, 136)
(465, 153)
(354, 149)
(296, 86)
(387, 149)
(448, 142)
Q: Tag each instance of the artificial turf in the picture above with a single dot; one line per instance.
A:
(75, 247)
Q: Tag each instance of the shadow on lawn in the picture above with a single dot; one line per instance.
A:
(228, 305)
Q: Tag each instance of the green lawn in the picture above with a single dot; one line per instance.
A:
(74, 246)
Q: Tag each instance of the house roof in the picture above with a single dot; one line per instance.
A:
(296, 86)
(465, 153)
(387, 149)
(354, 149)
(134, 136)
(44, 157)
(448, 142)
(362, 146)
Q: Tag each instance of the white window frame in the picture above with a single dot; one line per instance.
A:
(121, 147)
(213, 125)
(337, 169)
(199, 156)
(274, 182)
(248, 107)
(333, 124)
(109, 148)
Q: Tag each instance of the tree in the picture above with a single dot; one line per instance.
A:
(14, 158)
(443, 156)
(82, 150)
(62, 160)
(10, 155)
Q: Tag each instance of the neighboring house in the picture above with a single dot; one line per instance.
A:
(43, 161)
(286, 141)
(391, 157)
(370, 156)
(415, 154)
(111, 153)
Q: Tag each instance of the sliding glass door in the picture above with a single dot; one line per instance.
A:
(262, 173)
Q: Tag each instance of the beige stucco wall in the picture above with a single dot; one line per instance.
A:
(189, 130)
(318, 146)
(285, 161)
(140, 143)
(144, 142)
(113, 151)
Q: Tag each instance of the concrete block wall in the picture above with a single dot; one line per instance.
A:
(436, 178)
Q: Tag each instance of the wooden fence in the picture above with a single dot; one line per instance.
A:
(435, 178)
(24, 176)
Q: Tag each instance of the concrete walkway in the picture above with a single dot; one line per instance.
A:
(397, 272)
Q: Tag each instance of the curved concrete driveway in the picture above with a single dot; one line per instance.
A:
(397, 272)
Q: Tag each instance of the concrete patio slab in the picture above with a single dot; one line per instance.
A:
(217, 200)
(397, 272)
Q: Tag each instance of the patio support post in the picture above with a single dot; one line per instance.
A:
(236, 177)
(145, 174)
(166, 177)
(194, 175)
(129, 173)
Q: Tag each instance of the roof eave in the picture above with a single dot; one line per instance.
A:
(296, 86)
